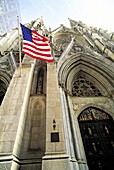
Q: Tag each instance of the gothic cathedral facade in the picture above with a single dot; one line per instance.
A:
(58, 115)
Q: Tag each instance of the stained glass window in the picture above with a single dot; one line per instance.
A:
(82, 87)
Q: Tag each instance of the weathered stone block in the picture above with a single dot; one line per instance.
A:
(60, 164)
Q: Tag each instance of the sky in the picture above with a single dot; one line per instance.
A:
(95, 13)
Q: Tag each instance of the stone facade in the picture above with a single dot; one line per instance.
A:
(39, 114)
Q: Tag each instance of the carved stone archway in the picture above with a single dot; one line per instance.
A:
(99, 75)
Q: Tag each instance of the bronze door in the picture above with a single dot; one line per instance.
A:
(97, 130)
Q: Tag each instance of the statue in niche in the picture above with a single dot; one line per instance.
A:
(40, 82)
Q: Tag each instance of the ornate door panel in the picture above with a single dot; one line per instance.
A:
(97, 131)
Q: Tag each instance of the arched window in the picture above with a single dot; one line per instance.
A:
(39, 88)
(82, 87)
(39, 79)
(97, 130)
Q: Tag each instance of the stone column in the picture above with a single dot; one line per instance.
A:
(55, 157)
(13, 112)
(69, 135)
(78, 145)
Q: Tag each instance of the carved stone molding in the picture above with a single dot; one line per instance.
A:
(77, 48)
(76, 107)
(59, 45)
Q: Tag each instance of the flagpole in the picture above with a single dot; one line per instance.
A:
(19, 47)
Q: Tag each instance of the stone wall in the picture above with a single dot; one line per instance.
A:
(55, 156)
(13, 112)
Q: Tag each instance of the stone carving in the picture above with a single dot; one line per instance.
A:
(59, 46)
(75, 107)
(93, 114)
(4, 64)
(77, 48)
(57, 50)
(111, 94)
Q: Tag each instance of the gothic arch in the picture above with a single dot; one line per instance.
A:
(99, 71)
(37, 130)
(91, 66)
(39, 78)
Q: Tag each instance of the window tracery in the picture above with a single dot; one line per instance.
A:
(82, 87)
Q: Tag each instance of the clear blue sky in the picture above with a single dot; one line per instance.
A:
(96, 13)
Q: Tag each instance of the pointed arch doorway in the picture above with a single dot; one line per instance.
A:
(97, 130)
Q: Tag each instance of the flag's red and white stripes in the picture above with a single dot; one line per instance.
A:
(39, 48)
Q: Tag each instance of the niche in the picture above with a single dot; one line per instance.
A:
(39, 87)
(39, 80)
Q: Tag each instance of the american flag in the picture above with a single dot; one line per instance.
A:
(35, 45)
